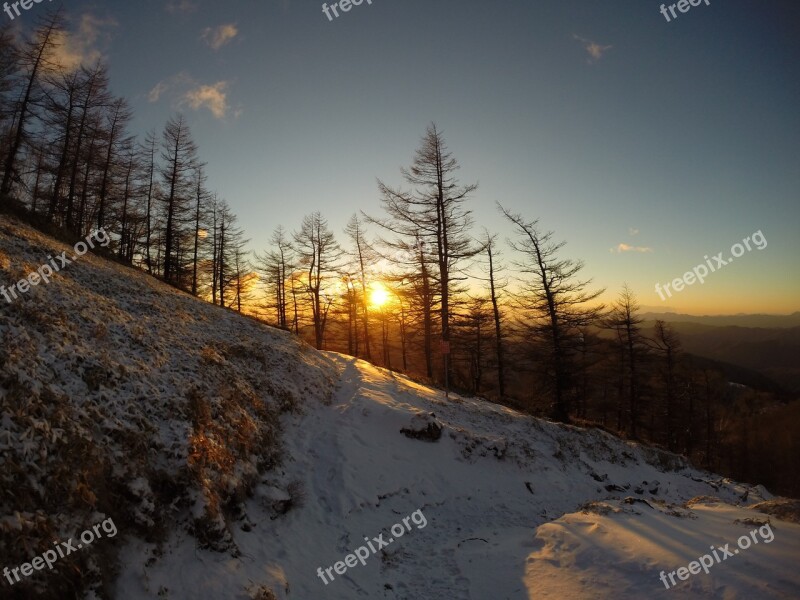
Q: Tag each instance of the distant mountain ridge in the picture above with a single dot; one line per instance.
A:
(766, 344)
(742, 320)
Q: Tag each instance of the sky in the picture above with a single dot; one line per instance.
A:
(645, 144)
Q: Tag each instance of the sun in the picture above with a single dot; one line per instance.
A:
(379, 295)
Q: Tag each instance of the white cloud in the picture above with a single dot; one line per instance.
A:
(628, 248)
(217, 37)
(156, 92)
(79, 46)
(183, 90)
(213, 97)
(632, 231)
(181, 80)
(594, 49)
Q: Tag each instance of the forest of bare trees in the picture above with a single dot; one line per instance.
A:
(416, 288)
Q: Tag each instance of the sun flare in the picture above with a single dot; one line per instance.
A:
(379, 295)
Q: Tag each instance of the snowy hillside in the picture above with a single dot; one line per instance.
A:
(237, 462)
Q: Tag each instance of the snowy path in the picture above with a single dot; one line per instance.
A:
(501, 495)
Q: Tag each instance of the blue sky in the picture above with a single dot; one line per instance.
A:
(609, 124)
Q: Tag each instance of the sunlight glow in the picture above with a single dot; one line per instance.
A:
(379, 295)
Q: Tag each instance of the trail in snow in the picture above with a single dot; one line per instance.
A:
(481, 542)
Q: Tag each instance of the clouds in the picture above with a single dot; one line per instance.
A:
(595, 50)
(81, 45)
(217, 37)
(213, 97)
(623, 247)
(185, 91)
(155, 94)
(174, 86)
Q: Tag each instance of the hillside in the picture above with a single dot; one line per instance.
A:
(234, 459)
(774, 352)
(754, 321)
(121, 397)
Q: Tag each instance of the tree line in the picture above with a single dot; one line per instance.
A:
(528, 332)
(68, 155)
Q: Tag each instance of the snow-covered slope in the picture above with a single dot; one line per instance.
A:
(123, 398)
(166, 392)
(494, 490)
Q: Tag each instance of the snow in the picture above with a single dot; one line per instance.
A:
(488, 536)
(622, 553)
(516, 507)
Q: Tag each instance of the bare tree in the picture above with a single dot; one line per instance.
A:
(201, 197)
(216, 219)
(38, 184)
(318, 253)
(295, 287)
(554, 304)
(95, 95)
(8, 69)
(410, 267)
(83, 211)
(668, 345)
(149, 154)
(129, 217)
(33, 60)
(276, 267)
(242, 273)
(179, 155)
(434, 211)
(624, 320)
(61, 109)
(472, 329)
(228, 261)
(117, 118)
(363, 254)
(496, 285)
(590, 355)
